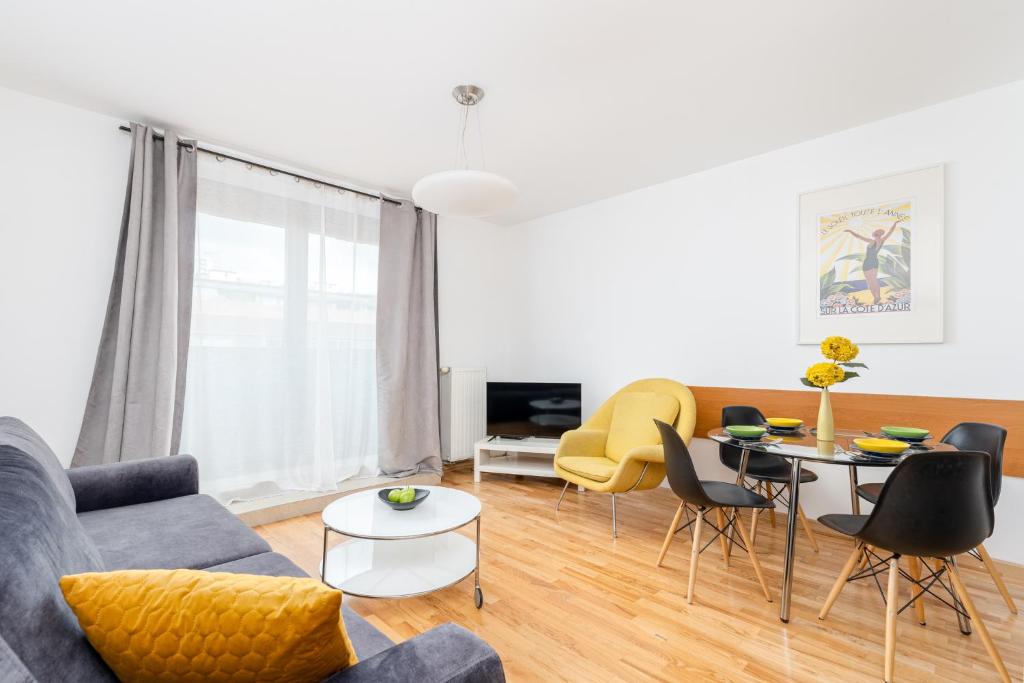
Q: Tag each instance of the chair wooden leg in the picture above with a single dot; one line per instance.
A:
(694, 556)
(961, 591)
(756, 513)
(722, 540)
(753, 555)
(671, 533)
(837, 587)
(864, 560)
(771, 496)
(807, 527)
(993, 570)
(891, 607)
(916, 594)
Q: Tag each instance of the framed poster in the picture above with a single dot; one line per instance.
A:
(870, 260)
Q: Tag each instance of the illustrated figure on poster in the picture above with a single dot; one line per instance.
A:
(870, 264)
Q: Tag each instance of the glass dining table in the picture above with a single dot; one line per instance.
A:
(802, 447)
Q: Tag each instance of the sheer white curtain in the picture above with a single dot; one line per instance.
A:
(281, 391)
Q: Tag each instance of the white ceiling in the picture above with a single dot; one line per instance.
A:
(585, 98)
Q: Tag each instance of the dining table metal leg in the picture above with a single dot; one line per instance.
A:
(787, 572)
(854, 498)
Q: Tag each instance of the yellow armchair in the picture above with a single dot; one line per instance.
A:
(618, 449)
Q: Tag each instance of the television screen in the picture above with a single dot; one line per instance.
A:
(523, 409)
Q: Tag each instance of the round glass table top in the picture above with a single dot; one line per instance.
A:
(364, 515)
(804, 445)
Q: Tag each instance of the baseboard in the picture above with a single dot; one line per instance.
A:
(298, 503)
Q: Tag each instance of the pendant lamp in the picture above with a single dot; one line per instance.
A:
(464, 191)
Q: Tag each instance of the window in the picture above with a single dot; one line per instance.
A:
(281, 392)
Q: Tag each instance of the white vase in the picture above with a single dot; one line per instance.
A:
(826, 429)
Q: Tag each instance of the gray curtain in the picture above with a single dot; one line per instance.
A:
(409, 434)
(135, 402)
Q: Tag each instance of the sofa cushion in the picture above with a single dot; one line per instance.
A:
(633, 421)
(41, 540)
(595, 469)
(188, 532)
(14, 432)
(366, 639)
(194, 625)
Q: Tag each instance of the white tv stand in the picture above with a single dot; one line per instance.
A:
(532, 457)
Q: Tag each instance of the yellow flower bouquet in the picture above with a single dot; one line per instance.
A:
(840, 353)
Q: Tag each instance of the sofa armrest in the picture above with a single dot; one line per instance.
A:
(448, 653)
(98, 487)
(582, 442)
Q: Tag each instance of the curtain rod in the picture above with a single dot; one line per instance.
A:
(196, 146)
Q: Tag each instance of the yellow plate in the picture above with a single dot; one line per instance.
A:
(784, 422)
(887, 446)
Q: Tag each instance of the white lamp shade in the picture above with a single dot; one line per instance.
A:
(464, 193)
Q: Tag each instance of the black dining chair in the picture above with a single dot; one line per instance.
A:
(769, 473)
(972, 436)
(704, 496)
(934, 505)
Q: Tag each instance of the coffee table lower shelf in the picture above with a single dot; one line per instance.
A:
(401, 568)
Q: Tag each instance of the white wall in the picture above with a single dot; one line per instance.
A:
(694, 279)
(62, 177)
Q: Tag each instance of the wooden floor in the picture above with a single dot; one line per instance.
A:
(563, 601)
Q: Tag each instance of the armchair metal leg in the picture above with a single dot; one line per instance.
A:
(559, 503)
(996, 577)
(990, 647)
(615, 530)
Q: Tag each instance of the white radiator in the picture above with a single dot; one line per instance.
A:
(463, 411)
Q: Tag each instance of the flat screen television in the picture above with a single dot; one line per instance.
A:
(523, 409)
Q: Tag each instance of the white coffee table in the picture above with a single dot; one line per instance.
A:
(402, 553)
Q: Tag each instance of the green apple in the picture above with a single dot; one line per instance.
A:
(394, 495)
(408, 495)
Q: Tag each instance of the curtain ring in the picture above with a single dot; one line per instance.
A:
(272, 171)
(248, 166)
(218, 157)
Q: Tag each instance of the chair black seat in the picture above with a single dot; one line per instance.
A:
(725, 494)
(765, 467)
(848, 525)
(869, 492)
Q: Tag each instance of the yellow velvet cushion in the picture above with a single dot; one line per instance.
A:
(596, 469)
(633, 421)
(186, 625)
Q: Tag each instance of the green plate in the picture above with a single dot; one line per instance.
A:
(746, 431)
(911, 433)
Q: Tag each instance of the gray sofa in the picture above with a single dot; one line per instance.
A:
(149, 515)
